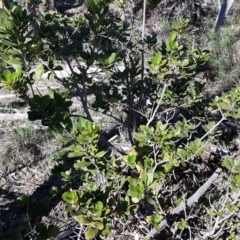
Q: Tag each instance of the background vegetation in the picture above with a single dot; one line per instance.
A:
(134, 121)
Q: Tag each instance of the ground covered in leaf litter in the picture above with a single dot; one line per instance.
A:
(27, 152)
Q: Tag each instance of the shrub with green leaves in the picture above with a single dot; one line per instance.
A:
(168, 120)
(224, 54)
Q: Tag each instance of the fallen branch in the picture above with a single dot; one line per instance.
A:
(193, 199)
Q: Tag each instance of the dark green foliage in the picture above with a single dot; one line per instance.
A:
(164, 108)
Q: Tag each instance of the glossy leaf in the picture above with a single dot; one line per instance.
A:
(70, 197)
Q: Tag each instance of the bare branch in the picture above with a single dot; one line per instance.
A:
(158, 105)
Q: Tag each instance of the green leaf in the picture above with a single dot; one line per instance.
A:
(224, 105)
(154, 185)
(106, 232)
(136, 199)
(235, 182)
(183, 224)
(143, 176)
(77, 153)
(163, 63)
(7, 74)
(232, 165)
(8, 43)
(91, 233)
(178, 201)
(194, 149)
(156, 60)
(70, 197)
(100, 154)
(173, 36)
(38, 73)
(3, 34)
(82, 164)
(112, 58)
(15, 51)
(98, 207)
(3, 13)
(81, 123)
(131, 158)
(51, 92)
(166, 156)
(185, 62)
(83, 219)
(146, 129)
(45, 101)
(136, 189)
(149, 178)
(68, 172)
(150, 200)
(155, 218)
(17, 64)
(98, 225)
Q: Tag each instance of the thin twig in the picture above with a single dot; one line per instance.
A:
(158, 105)
(215, 126)
(143, 63)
